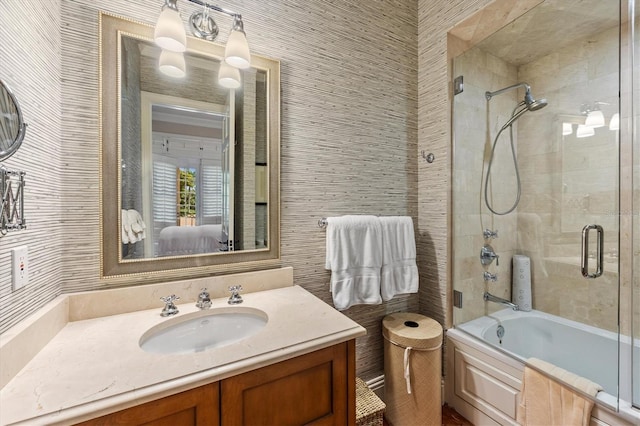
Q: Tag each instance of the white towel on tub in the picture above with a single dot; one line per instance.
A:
(354, 256)
(399, 273)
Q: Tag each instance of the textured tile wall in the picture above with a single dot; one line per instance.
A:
(30, 65)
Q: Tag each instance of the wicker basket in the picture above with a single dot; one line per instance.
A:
(369, 408)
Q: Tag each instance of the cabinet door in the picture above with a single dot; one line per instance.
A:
(316, 389)
(198, 406)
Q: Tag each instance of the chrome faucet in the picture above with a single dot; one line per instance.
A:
(491, 298)
(204, 301)
(169, 307)
(235, 297)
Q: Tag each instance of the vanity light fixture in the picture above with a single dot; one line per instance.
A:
(228, 76)
(584, 131)
(594, 119)
(614, 124)
(172, 63)
(170, 35)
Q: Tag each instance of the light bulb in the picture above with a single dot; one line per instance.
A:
(584, 131)
(614, 124)
(567, 129)
(228, 76)
(169, 33)
(172, 64)
(237, 53)
(594, 119)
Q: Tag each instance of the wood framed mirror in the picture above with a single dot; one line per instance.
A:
(189, 170)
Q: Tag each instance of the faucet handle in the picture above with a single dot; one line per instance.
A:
(489, 234)
(204, 301)
(169, 308)
(170, 299)
(487, 254)
(488, 276)
(235, 297)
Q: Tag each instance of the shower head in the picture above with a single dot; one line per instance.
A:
(531, 103)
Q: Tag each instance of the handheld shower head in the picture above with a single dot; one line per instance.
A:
(533, 104)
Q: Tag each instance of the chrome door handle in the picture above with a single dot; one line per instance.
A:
(599, 251)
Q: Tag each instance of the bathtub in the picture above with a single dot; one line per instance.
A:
(584, 350)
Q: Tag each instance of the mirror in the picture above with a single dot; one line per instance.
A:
(12, 128)
(189, 170)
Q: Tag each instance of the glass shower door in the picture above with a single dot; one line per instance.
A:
(565, 180)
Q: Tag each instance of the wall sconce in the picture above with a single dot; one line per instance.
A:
(171, 36)
(567, 129)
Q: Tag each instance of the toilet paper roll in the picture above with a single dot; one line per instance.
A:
(521, 282)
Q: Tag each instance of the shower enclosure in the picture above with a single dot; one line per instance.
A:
(555, 177)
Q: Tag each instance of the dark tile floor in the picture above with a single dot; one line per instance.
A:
(450, 417)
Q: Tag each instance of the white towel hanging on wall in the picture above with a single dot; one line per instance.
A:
(354, 256)
(399, 273)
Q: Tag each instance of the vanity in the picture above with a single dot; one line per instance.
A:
(297, 369)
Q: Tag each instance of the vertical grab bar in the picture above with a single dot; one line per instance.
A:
(599, 251)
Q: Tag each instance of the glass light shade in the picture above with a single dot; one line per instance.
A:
(228, 76)
(584, 131)
(237, 51)
(594, 119)
(567, 129)
(169, 33)
(614, 124)
(172, 64)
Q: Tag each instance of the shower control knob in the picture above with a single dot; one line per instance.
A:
(488, 276)
(487, 254)
(489, 234)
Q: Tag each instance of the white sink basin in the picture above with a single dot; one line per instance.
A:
(199, 331)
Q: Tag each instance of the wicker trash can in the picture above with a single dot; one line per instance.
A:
(413, 368)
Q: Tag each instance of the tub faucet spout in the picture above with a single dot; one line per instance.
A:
(491, 298)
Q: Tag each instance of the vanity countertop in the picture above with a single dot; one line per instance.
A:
(95, 366)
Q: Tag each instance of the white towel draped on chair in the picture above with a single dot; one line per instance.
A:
(371, 259)
(354, 256)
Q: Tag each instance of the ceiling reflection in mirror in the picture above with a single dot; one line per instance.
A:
(196, 163)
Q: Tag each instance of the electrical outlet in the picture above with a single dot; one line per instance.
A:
(20, 267)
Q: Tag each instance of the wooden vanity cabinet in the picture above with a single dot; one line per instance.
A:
(199, 406)
(313, 389)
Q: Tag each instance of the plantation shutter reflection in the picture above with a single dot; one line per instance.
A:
(164, 190)
(211, 185)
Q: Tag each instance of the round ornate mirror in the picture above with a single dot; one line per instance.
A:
(12, 127)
